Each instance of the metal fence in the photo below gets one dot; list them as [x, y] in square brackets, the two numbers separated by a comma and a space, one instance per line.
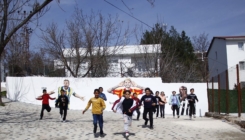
[226, 92]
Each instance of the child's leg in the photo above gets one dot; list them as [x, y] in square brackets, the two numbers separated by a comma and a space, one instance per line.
[138, 113]
[157, 110]
[177, 110]
[48, 108]
[194, 109]
[41, 115]
[61, 111]
[65, 113]
[126, 121]
[173, 110]
[190, 110]
[100, 119]
[187, 108]
[163, 111]
[151, 117]
[95, 122]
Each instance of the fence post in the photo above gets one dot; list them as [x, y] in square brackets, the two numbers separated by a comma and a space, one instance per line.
[212, 94]
[227, 93]
[219, 93]
[208, 97]
[238, 91]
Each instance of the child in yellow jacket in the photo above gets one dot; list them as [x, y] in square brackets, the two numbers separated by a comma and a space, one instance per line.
[98, 105]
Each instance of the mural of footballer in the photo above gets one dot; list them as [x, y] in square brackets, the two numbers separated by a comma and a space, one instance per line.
[127, 84]
[68, 91]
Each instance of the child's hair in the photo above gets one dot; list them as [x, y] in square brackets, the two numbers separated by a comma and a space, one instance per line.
[134, 93]
[100, 87]
[147, 89]
[192, 89]
[44, 90]
[157, 92]
[173, 91]
[96, 90]
[127, 91]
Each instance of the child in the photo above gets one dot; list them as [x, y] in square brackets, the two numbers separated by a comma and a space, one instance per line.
[162, 105]
[128, 106]
[98, 105]
[159, 100]
[45, 104]
[192, 98]
[149, 103]
[175, 102]
[63, 104]
[137, 102]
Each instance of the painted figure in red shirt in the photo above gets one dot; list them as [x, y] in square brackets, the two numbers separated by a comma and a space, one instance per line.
[45, 105]
[127, 84]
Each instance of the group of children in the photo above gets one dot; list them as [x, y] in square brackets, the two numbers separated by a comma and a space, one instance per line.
[175, 102]
[126, 105]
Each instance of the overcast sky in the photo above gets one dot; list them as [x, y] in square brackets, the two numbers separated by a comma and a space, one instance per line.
[214, 17]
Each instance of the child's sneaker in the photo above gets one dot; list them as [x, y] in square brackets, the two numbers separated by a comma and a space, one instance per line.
[64, 121]
[190, 118]
[194, 116]
[126, 134]
[61, 118]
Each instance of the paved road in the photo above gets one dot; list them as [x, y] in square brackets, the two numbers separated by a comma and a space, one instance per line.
[19, 121]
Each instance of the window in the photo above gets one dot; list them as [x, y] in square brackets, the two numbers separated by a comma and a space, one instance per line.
[240, 46]
[216, 55]
[242, 65]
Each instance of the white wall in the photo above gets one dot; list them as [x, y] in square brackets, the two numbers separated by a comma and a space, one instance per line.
[26, 89]
[234, 55]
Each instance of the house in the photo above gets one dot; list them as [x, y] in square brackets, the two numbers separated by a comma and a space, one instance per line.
[224, 53]
[124, 61]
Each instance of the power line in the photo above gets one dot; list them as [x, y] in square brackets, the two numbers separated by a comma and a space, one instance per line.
[128, 13]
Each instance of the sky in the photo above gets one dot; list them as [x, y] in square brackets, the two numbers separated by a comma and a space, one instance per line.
[213, 17]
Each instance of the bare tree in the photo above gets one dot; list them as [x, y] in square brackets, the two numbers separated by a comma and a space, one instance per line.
[201, 42]
[11, 22]
[84, 46]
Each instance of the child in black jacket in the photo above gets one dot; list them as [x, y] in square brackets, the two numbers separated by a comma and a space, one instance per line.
[63, 105]
[192, 98]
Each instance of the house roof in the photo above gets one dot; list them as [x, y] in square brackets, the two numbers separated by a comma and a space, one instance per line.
[224, 38]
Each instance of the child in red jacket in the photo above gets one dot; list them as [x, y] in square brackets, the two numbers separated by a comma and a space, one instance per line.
[45, 105]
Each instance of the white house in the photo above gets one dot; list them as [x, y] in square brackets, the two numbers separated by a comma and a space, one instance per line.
[134, 57]
[224, 53]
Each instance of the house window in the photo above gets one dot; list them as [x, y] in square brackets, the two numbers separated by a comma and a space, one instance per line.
[216, 55]
[242, 65]
[240, 46]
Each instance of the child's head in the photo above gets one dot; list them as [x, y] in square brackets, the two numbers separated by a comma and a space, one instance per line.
[162, 93]
[173, 92]
[96, 93]
[147, 91]
[127, 94]
[44, 91]
[157, 93]
[192, 90]
[135, 95]
[101, 89]
[62, 92]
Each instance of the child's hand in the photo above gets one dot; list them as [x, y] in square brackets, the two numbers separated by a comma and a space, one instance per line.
[82, 98]
[129, 111]
[153, 104]
[83, 111]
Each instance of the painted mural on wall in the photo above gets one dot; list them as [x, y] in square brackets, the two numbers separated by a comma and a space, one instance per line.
[126, 84]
